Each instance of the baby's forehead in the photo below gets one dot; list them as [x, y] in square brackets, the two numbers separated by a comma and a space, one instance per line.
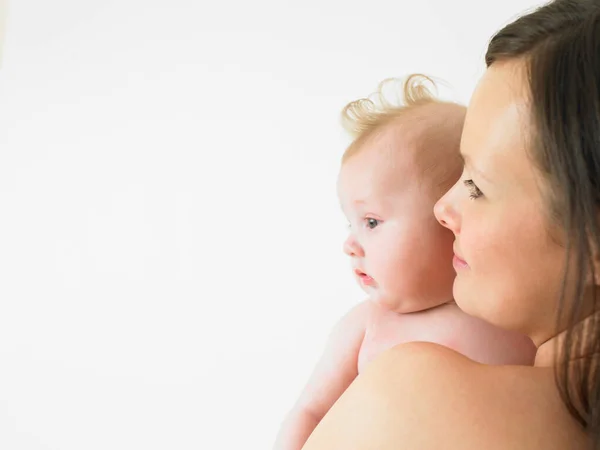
[415, 140]
[384, 163]
[415, 147]
[427, 120]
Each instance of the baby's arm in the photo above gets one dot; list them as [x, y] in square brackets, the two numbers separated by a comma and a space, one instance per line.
[335, 371]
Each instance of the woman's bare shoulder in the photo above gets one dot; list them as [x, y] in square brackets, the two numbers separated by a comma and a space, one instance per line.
[420, 395]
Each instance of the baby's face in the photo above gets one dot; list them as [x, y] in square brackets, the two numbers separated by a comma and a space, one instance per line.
[400, 255]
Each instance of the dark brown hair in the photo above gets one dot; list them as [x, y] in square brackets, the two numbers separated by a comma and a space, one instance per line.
[559, 43]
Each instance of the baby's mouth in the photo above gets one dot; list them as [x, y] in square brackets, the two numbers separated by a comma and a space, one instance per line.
[363, 277]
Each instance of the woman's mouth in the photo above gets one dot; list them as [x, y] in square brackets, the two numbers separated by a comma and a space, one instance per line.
[459, 263]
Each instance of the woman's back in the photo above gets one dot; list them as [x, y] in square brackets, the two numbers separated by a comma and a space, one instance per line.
[423, 396]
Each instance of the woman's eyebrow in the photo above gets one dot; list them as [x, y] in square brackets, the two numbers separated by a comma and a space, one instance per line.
[468, 163]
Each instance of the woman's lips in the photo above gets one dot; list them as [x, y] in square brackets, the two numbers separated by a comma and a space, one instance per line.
[459, 263]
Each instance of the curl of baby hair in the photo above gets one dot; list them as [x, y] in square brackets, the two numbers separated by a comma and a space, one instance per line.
[393, 98]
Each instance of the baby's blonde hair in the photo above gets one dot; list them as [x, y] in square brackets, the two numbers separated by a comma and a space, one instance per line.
[362, 117]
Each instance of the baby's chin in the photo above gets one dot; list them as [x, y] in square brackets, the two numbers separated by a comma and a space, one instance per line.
[402, 306]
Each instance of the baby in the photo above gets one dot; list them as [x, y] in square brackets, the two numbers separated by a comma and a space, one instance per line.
[402, 159]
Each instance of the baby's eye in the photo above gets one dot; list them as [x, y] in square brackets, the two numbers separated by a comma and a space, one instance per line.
[371, 223]
[474, 191]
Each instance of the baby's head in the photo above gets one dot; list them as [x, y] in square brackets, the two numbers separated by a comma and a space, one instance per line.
[403, 158]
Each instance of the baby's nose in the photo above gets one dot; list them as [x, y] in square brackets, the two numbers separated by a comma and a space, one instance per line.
[352, 247]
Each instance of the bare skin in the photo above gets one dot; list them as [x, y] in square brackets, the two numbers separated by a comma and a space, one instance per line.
[445, 400]
[402, 260]
[369, 330]
[509, 270]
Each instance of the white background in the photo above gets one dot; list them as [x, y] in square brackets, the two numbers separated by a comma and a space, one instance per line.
[170, 240]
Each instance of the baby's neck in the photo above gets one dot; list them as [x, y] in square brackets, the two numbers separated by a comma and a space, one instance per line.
[448, 304]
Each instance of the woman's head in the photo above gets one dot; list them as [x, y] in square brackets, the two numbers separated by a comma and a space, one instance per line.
[531, 234]
[505, 250]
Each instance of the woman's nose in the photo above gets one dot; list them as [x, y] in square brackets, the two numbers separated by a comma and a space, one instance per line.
[446, 212]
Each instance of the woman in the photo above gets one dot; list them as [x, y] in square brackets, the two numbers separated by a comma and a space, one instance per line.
[525, 215]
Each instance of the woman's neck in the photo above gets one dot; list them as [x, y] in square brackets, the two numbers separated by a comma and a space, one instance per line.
[583, 347]
[546, 352]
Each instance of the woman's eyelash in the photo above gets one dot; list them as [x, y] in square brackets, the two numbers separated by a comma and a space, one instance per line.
[474, 191]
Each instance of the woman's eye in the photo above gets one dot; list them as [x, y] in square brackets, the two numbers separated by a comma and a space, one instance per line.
[371, 223]
[474, 191]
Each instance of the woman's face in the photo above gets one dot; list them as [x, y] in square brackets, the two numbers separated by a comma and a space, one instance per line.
[508, 267]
